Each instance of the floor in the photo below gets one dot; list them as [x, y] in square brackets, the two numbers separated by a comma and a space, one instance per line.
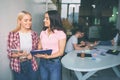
[106, 74]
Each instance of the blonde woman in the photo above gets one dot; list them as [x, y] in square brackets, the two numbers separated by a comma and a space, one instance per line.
[21, 41]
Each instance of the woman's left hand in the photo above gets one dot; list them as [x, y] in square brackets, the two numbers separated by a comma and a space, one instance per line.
[29, 56]
[42, 56]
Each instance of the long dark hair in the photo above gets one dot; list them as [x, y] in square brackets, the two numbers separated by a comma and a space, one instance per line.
[55, 20]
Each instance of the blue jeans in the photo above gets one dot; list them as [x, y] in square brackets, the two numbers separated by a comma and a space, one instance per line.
[50, 69]
[26, 72]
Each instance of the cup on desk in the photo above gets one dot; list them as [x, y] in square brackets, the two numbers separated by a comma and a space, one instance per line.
[94, 55]
[82, 54]
[91, 46]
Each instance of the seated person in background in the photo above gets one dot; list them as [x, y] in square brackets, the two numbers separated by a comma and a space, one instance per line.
[72, 43]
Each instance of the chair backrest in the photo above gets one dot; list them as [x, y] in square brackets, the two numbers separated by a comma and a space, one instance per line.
[106, 43]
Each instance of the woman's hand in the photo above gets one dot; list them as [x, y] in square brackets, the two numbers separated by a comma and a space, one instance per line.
[17, 54]
[86, 47]
[42, 56]
[82, 44]
[24, 53]
[29, 56]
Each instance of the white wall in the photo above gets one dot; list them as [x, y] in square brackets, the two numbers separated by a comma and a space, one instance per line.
[8, 15]
[118, 18]
[64, 9]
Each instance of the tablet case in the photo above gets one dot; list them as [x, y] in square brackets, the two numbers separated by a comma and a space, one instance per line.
[114, 52]
[49, 51]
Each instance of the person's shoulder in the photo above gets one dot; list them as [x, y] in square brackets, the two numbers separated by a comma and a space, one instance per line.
[13, 33]
[59, 31]
[73, 36]
[34, 32]
[10, 32]
[43, 32]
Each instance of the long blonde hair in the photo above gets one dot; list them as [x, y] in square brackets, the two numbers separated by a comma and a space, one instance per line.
[19, 18]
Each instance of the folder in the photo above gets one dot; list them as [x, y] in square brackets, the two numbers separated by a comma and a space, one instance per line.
[48, 51]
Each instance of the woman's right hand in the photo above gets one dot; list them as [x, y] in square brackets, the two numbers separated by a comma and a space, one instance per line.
[18, 54]
[15, 55]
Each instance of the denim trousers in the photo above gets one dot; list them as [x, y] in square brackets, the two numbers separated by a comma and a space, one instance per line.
[26, 72]
[50, 69]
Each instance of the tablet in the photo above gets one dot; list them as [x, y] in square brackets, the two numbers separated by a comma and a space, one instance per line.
[48, 51]
[16, 51]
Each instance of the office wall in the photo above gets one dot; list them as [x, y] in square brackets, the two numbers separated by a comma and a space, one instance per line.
[70, 11]
[118, 18]
[8, 15]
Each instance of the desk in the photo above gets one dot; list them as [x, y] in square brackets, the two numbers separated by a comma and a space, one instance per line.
[78, 65]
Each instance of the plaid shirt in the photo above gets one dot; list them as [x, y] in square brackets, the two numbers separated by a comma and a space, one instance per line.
[14, 43]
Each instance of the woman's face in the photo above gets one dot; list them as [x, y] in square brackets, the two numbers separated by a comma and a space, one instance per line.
[26, 22]
[46, 20]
